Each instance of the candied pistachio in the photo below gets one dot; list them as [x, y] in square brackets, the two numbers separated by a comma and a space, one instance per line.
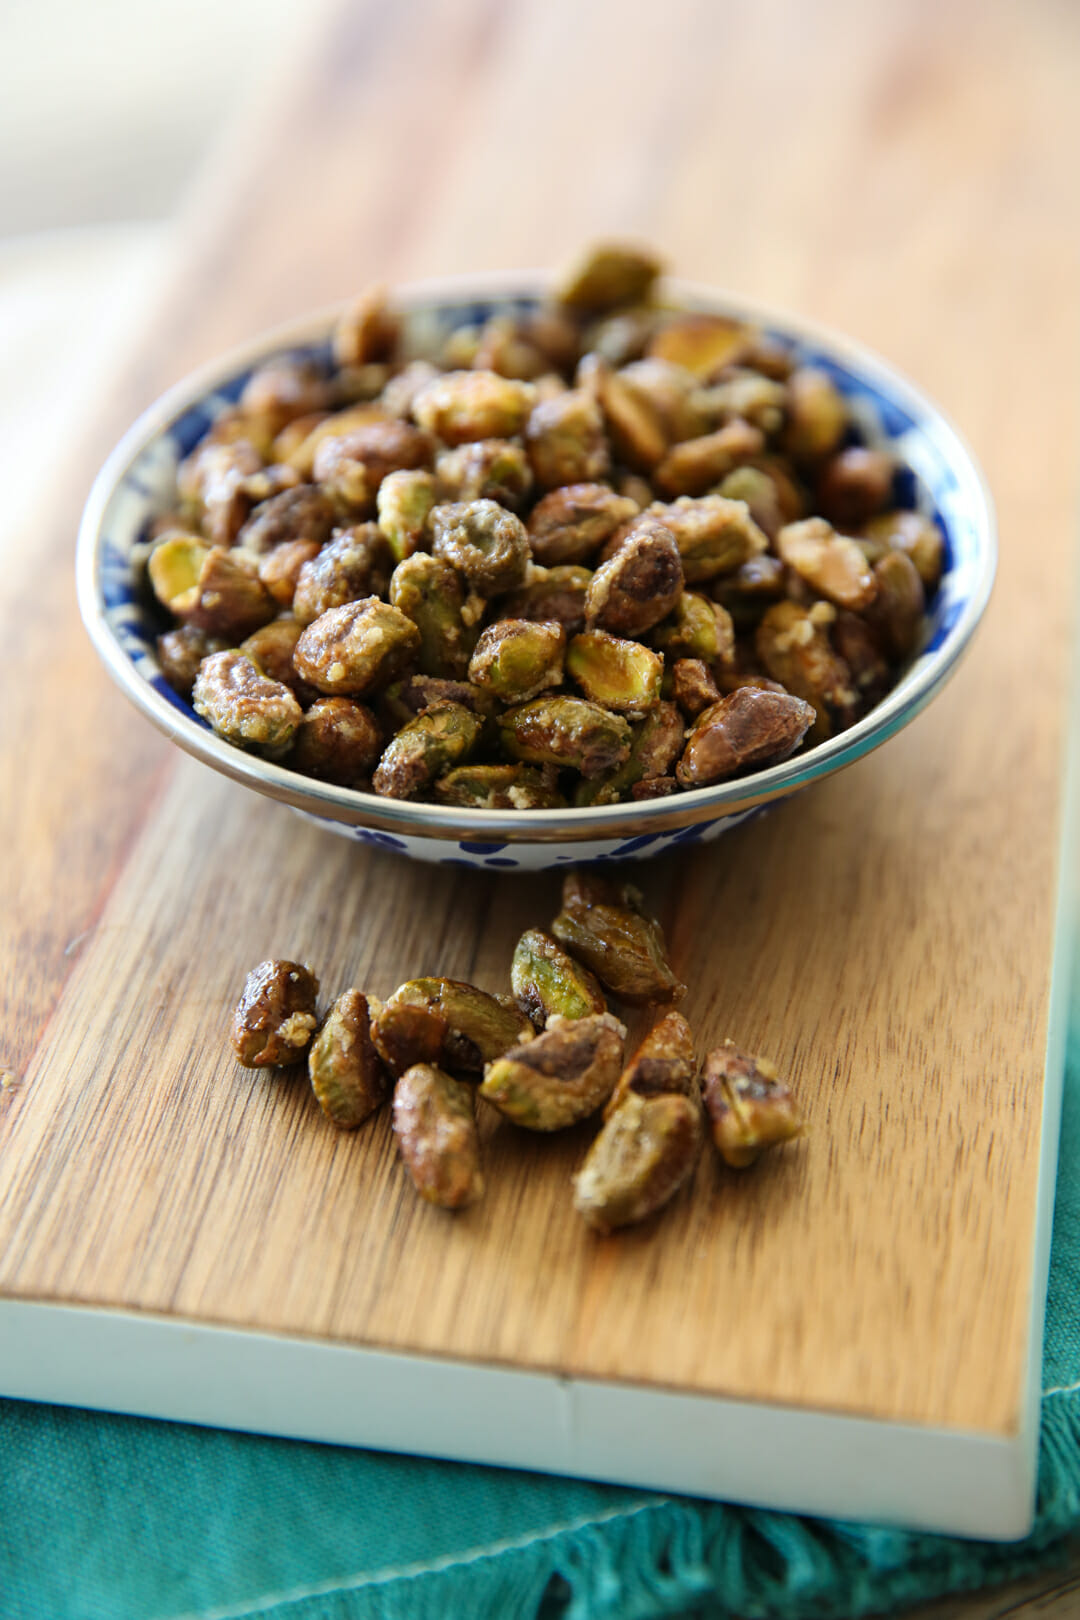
[748, 727]
[367, 330]
[714, 535]
[670, 392]
[271, 649]
[229, 599]
[566, 442]
[817, 414]
[557, 594]
[556, 335]
[606, 275]
[403, 504]
[458, 406]
[570, 524]
[637, 433]
[546, 980]
[275, 1017]
[655, 745]
[404, 1034]
[697, 628]
[566, 731]
[485, 470]
[479, 1027]
[399, 393]
[695, 465]
[211, 482]
[440, 737]
[914, 534]
[561, 1076]
[430, 593]
[854, 485]
[702, 343]
[400, 702]
[181, 651]
[354, 649]
[795, 649]
[860, 648]
[500, 787]
[357, 385]
[617, 674]
[759, 491]
[896, 613]
[337, 741]
[831, 564]
[282, 389]
[435, 1127]
[602, 924]
[293, 434]
[356, 562]
[662, 1062]
[280, 569]
[640, 584]
[503, 346]
[692, 686]
[300, 455]
[174, 567]
[347, 1075]
[621, 337]
[351, 467]
[750, 589]
[646, 1150]
[748, 395]
[749, 1107]
[244, 707]
[654, 787]
[517, 658]
[301, 513]
[487, 544]
[635, 488]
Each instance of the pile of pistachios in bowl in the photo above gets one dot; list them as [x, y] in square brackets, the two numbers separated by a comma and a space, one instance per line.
[545, 1057]
[603, 549]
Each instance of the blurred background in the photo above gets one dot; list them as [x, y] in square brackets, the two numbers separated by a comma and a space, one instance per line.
[107, 110]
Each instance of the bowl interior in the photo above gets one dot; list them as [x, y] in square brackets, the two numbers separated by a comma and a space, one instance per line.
[937, 476]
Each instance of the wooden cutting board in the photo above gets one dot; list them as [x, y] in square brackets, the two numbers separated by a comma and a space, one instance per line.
[854, 1325]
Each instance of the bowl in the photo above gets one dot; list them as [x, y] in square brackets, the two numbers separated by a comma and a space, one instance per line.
[136, 484]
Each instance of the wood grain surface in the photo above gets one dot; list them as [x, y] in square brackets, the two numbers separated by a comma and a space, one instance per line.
[901, 171]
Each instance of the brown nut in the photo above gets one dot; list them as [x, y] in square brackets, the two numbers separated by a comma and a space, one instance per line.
[351, 467]
[670, 392]
[606, 275]
[655, 745]
[436, 1135]
[280, 569]
[500, 787]
[914, 534]
[603, 925]
[367, 331]
[244, 707]
[696, 465]
[302, 513]
[561, 1076]
[637, 433]
[180, 652]
[282, 389]
[479, 1027]
[749, 1107]
[860, 648]
[517, 658]
[744, 395]
[854, 485]
[896, 614]
[215, 589]
[753, 587]
[402, 701]
[693, 687]
[271, 649]
[663, 1062]
[570, 524]
[618, 674]
[430, 593]
[440, 737]
[831, 565]
[404, 504]
[645, 1152]
[566, 732]
[546, 980]
[485, 470]
[793, 644]
[356, 562]
[337, 741]
[347, 1075]
[714, 535]
[404, 1034]
[557, 594]
[654, 787]
[484, 542]
[566, 442]
[697, 628]
[504, 346]
[759, 491]
[639, 585]
[355, 649]
[817, 414]
[749, 727]
[275, 1016]
[702, 344]
[459, 406]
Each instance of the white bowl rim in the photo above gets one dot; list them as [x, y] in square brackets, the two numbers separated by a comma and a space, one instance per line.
[630, 818]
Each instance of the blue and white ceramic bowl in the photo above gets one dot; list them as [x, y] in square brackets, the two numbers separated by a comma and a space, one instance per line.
[137, 483]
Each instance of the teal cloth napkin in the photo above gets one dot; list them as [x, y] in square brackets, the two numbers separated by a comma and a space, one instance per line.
[113, 1518]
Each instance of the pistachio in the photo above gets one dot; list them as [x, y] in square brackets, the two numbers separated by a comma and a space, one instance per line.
[693, 687]
[181, 651]
[404, 504]
[557, 594]
[670, 392]
[357, 562]
[546, 980]
[561, 1076]
[566, 442]
[460, 406]
[749, 1107]
[754, 486]
[500, 787]
[271, 649]
[244, 707]
[565, 731]
[745, 396]
[696, 465]
[429, 593]
[637, 433]
[854, 485]
[436, 1135]
[354, 649]
[299, 454]
[617, 674]
[655, 745]
[347, 1075]
[897, 611]
[795, 649]
[283, 389]
[517, 658]
[714, 535]
[603, 926]
[367, 330]
[654, 787]
[817, 415]
[570, 524]
[275, 1017]
[830, 564]
[702, 344]
[914, 534]
[504, 346]
[663, 1062]
[696, 628]
[479, 1028]
[280, 569]
[337, 741]
[639, 585]
[404, 1033]
[647, 1149]
[440, 737]
[747, 728]
[750, 589]
[860, 648]
[351, 467]
[301, 513]
[606, 275]
[620, 337]
[403, 700]
[485, 470]
[484, 542]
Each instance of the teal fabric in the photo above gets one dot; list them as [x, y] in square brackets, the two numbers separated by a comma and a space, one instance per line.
[112, 1518]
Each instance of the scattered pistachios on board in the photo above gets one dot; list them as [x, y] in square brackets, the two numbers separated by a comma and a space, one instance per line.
[605, 550]
[546, 1057]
